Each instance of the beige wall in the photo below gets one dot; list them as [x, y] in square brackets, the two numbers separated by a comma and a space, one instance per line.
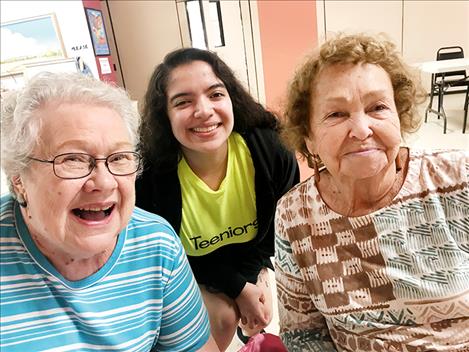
[429, 25]
[360, 16]
[144, 32]
[242, 50]
[418, 27]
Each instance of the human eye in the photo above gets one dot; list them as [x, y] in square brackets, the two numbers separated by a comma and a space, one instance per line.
[123, 163]
[121, 158]
[73, 160]
[179, 103]
[336, 114]
[217, 94]
[380, 107]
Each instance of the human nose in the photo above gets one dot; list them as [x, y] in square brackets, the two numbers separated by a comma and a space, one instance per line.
[203, 108]
[100, 177]
[360, 126]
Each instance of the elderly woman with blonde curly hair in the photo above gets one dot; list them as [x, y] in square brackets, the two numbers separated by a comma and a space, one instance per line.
[372, 252]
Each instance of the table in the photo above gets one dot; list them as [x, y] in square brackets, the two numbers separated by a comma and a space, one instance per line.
[441, 66]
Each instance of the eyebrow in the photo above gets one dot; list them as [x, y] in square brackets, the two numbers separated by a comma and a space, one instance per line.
[213, 86]
[341, 98]
[76, 143]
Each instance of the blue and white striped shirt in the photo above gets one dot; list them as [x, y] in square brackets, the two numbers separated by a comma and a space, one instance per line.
[144, 297]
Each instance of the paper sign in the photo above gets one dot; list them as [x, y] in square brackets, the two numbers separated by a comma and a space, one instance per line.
[105, 66]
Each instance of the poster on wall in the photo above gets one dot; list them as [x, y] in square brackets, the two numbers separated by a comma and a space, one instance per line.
[97, 31]
[30, 41]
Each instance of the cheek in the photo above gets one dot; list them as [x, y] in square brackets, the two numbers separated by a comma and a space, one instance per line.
[226, 111]
[329, 139]
[127, 190]
[179, 122]
[390, 132]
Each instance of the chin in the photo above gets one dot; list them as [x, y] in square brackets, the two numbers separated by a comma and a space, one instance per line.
[99, 243]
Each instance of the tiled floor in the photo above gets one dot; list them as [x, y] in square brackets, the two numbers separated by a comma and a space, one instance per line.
[430, 134]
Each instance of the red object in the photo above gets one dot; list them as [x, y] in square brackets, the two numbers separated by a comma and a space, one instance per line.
[107, 77]
[264, 343]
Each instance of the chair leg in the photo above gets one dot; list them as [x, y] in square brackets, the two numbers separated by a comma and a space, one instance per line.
[432, 92]
[466, 105]
[441, 110]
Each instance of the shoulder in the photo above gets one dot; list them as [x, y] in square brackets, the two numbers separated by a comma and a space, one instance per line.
[266, 142]
[454, 155]
[144, 224]
[300, 196]
[443, 168]
[262, 133]
[6, 209]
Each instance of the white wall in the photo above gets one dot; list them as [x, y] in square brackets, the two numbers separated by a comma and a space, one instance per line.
[71, 21]
[429, 25]
[417, 27]
[73, 28]
[361, 16]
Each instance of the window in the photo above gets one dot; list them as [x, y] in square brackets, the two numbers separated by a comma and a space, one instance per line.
[199, 23]
[195, 16]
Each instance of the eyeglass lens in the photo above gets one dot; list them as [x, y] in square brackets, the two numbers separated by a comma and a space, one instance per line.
[76, 165]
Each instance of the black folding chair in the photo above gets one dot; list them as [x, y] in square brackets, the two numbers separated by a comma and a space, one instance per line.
[442, 82]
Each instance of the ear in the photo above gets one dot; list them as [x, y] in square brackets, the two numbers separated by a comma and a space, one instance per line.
[20, 191]
[18, 184]
[310, 145]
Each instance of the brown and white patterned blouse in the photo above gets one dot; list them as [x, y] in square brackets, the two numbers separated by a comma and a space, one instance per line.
[393, 280]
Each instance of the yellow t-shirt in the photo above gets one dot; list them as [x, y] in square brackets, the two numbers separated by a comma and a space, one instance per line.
[212, 219]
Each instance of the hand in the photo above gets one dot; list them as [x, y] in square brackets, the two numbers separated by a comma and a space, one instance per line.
[251, 305]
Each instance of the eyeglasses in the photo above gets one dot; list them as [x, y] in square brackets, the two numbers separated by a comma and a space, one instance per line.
[78, 165]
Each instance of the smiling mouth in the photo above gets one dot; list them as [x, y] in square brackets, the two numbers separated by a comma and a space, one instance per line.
[206, 129]
[363, 151]
[93, 214]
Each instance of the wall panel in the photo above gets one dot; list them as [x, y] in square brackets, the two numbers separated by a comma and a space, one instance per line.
[364, 16]
[144, 32]
[429, 25]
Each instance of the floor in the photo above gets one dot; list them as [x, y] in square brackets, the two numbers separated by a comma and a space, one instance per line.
[430, 135]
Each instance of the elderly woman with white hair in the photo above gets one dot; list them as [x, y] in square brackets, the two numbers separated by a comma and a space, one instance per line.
[82, 268]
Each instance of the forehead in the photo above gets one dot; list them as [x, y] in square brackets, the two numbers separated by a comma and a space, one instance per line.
[72, 123]
[342, 78]
[191, 75]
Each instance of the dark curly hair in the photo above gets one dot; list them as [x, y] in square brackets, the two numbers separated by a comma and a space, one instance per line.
[158, 144]
[350, 49]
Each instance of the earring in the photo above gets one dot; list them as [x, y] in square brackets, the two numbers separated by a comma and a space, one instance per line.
[317, 177]
[310, 161]
[21, 201]
[398, 163]
[313, 161]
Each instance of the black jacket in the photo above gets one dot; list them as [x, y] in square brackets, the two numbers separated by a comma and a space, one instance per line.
[276, 171]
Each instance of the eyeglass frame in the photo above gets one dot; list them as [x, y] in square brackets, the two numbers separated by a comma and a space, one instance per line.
[92, 165]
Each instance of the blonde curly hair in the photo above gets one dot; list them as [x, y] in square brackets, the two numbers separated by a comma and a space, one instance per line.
[350, 49]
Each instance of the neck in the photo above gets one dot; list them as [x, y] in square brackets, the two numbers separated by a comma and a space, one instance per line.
[363, 196]
[209, 167]
[73, 267]
[77, 269]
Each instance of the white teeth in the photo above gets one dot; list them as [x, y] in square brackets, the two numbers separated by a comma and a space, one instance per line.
[205, 129]
[95, 209]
